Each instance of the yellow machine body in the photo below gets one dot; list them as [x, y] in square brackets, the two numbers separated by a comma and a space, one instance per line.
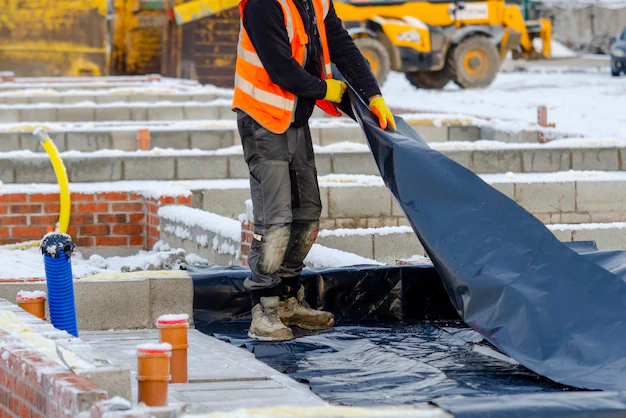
[419, 36]
[54, 37]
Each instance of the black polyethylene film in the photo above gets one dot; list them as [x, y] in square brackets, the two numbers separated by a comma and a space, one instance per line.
[557, 312]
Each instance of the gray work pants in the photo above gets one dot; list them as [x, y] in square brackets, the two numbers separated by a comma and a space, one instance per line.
[287, 205]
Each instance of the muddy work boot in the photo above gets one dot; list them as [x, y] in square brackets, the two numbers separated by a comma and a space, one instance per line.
[266, 324]
[297, 313]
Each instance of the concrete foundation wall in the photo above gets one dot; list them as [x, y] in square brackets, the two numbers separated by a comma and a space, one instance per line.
[133, 166]
[373, 206]
[388, 248]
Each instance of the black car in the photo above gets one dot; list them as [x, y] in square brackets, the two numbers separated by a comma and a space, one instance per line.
[618, 55]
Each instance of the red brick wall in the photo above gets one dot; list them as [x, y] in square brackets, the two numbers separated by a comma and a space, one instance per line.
[247, 233]
[33, 385]
[97, 219]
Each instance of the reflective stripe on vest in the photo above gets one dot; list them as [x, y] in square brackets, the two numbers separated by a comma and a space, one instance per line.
[288, 18]
[264, 96]
[249, 56]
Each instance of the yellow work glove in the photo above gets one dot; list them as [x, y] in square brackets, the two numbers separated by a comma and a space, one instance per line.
[335, 90]
[380, 109]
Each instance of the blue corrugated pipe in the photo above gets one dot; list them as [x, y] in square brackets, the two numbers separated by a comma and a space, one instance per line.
[57, 249]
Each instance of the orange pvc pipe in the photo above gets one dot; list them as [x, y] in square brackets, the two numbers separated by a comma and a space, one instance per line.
[33, 305]
[174, 332]
[153, 373]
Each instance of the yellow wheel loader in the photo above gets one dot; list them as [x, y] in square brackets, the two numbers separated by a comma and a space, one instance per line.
[436, 41]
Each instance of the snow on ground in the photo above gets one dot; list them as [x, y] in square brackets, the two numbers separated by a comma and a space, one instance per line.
[28, 263]
[590, 103]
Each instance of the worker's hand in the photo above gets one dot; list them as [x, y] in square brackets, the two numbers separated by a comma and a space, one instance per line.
[335, 90]
[380, 109]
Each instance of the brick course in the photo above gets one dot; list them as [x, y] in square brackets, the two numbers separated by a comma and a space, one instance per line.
[103, 219]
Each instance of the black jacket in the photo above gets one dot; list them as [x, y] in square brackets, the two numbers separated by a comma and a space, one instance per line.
[265, 23]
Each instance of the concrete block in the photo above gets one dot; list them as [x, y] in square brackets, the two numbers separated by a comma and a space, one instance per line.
[94, 169]
[203, 112]
[45, 99]
[316, 136]
[602, 159]
[174, 112]
[333, 135]
[362, 245]
[563, 235]
[9, 115]
[488, 133]
[170, 296]
[607, 217]
[178, 97]
[112, 113]
[229, 203]
[607, 239]
[600, 196]
[546, 160]
[125, 302]
[203, 97]
[169, 139]
[124, 140]
[362, 202]
[143, 98]
[150, 168]
[16, 100]
[389, 248]
[354, 163]
[529, 137]
[325, 202]
[326, 223]
[351, 223]
[622, 158]
[190, 168]
[237, 167]
[381, 222]
[29, 142]
[138, 113]
[225, 113]
[546, 197]
[460, 157]
[76, 114]
[9, 141]
[318, 113]
[575, 218]
[7, 172]
[38, 114]
[77, 99]
[396, 210]
[323, 163]
[496, 161]
[34, 170]
[463, 133]
[87, 141]
[211, 139]
[432, 133]
[507, 189]
[503, 136]
[111, 98]
[115, 380]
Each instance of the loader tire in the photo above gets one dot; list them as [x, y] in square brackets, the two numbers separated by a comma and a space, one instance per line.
[431, 80]
[377, 55]
[473, 63]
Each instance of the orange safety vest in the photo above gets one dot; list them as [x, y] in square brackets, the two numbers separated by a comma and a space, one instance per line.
[255, 93]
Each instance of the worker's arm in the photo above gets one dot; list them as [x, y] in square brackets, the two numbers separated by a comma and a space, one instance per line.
[265, 23]
[347, 57]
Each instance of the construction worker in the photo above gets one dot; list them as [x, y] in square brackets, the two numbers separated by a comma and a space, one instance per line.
[283, 70]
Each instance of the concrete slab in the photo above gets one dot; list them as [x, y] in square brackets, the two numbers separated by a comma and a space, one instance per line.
[153, 168]
[171, 296]
[222, 377]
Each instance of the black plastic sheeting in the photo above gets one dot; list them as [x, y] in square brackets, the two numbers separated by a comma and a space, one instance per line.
[561, 314]
[356, 293]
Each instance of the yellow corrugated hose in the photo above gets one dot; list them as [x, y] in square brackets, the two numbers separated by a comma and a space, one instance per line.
[59, 170]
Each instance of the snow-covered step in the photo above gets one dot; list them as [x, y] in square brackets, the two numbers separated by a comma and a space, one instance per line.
[96, 83]
[342, 158]
[118, 111]
[389, 244]
[363, 201]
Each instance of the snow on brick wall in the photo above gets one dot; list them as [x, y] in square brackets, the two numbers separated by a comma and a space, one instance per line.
[97, 219]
